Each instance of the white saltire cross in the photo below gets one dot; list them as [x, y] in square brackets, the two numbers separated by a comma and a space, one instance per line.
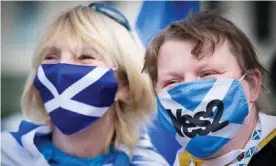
[64, 100]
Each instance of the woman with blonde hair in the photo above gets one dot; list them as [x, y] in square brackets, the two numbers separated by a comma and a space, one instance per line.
[85, 95]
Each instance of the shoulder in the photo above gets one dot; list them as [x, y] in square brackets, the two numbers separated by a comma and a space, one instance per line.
[268, 126]
[267, 153]
[270, 119]
[146, 154]
[266, 156]
[18, 147]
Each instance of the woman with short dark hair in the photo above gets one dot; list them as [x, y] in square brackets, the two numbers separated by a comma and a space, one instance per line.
[208, 81]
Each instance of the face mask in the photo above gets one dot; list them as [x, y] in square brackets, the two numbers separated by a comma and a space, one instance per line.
[203, 115]
[75, 96]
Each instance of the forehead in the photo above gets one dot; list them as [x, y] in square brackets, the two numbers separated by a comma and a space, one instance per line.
[63, 39]
[178, 53]
[71, 41]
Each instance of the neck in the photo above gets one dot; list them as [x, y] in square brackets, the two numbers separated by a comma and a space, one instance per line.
[88, 143]
[242, 137]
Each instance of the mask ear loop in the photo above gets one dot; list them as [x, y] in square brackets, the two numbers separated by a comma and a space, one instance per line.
[242, 77]
[250, 106]
[266, 90]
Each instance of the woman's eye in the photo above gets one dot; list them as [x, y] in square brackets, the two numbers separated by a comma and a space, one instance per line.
[170, 82]
[50, 57]
[84, 57]
[207, 73]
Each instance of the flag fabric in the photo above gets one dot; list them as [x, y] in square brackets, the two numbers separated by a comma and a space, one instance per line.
[77, 93]
[154, 16]
[25, 147]
[259, 144]
[203, 115]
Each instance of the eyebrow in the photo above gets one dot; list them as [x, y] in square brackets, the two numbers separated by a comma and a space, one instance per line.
[206, 64]
[168, 74]
[52, 49]
[90, 50]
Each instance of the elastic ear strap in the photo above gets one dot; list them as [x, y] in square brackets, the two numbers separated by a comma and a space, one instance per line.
[266, 90]
[250, 106]
[242, 77]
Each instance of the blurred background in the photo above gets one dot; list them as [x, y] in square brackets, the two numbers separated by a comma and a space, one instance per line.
[22, 23]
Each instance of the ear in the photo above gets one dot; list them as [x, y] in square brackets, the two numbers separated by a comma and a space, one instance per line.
[255, 84]
[123, 93]
[123, 85]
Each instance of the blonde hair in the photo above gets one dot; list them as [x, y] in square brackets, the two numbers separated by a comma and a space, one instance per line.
[120, 50]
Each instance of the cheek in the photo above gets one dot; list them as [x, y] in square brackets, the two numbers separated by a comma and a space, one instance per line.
[159, 89]
[101, 64]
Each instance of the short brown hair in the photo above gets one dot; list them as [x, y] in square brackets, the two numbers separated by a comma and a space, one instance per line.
[204, 27]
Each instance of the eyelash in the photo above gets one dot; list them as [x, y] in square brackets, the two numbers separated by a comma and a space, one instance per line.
[50, 57]
[83, 57]
[209, 73]
[170, 82]
[203, 74]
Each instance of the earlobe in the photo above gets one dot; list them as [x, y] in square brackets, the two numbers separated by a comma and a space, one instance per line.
[255, 83]
[122, 94]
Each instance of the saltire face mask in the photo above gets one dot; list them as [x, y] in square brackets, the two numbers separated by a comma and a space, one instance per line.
[203, 115]
[75, 96]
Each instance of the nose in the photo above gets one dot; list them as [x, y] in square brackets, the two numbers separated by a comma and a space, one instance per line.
[190, 77]
[67, 57]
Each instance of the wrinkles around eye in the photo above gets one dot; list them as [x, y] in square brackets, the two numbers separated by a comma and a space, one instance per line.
[50, 57]
[86, 57]
[170, 84]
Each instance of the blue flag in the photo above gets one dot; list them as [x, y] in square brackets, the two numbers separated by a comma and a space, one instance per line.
[156, 15]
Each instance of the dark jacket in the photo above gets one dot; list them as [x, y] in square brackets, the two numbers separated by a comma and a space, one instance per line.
[266, 156]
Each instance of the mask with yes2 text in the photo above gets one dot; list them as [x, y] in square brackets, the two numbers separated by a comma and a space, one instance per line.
[203, 115]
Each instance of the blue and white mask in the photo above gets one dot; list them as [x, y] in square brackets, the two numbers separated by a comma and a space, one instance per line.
[203, 115]
[75, 96]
